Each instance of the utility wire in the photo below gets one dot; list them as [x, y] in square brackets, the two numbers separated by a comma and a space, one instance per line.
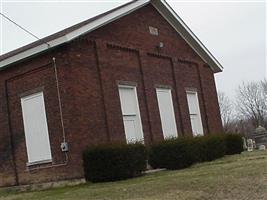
[23, 28]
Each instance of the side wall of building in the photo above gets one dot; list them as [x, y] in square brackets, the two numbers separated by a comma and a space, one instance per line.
[89, 71]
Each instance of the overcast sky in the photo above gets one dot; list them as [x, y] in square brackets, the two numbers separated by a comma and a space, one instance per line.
[234, 31]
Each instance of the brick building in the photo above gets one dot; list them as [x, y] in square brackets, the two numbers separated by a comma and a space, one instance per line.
[134, 73]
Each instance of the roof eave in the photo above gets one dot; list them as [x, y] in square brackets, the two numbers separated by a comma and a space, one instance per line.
[161, 5]
[76, 33]
[32, 51]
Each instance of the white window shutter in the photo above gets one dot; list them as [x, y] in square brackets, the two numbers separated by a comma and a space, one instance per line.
[131, 114]
[35, 128]
[166, 111]
[194, 111]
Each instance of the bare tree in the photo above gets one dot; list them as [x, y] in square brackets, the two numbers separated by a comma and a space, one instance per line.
[264, 87]
[226, 109]
[251, 102]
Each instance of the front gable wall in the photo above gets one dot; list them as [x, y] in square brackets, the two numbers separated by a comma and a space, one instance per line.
[190, 70]
[133, 30]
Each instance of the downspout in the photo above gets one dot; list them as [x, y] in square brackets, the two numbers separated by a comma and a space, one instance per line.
[60, 110]
[65, 162]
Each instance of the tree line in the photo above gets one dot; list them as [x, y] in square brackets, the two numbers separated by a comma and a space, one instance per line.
[249, 109]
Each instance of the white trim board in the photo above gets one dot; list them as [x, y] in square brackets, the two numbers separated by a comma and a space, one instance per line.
[161, 6]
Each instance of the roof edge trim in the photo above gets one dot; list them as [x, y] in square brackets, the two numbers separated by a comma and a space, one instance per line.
[76, 33]
[160, 5]
[179, 25]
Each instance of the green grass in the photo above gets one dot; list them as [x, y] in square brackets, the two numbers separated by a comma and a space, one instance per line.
[230, 178]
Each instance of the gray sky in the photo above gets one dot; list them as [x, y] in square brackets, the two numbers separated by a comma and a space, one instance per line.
[234, 31]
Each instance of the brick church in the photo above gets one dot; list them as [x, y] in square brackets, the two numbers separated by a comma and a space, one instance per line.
[135, 73]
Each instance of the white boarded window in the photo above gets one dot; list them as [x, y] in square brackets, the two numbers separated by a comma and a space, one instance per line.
[166, 111]
[194, 111]
[35, 128]
[130, 113]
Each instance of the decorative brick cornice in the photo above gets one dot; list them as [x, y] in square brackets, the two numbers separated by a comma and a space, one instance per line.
[158, 55]
[120, 47]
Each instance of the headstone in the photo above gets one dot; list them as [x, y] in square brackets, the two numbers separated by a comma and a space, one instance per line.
[260, 136]
[250, 144]
[262, 147]
[254, 144]
[244, 143]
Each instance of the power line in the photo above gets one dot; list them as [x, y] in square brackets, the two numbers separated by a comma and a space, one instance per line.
[23, 28]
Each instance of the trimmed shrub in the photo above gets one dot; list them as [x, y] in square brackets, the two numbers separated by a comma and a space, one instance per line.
[234, 144]
[112, 162]
[172, 154]
[208, 148]
[182, 152]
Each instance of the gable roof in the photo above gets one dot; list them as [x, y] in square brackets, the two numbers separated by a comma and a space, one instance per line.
[91, 24]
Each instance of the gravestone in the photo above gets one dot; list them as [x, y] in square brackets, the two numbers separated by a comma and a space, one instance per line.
[244, 143]
[262, 147]
[250, 144]
[260, 137]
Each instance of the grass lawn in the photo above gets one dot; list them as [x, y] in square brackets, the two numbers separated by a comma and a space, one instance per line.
[230, 178]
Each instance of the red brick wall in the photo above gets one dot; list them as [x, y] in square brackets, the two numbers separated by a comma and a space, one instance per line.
[90, 69]
[133, 31]
[15, 81]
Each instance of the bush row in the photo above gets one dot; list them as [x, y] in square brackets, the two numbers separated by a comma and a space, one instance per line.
[112, 162]
[234, 144]
[182, 152]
